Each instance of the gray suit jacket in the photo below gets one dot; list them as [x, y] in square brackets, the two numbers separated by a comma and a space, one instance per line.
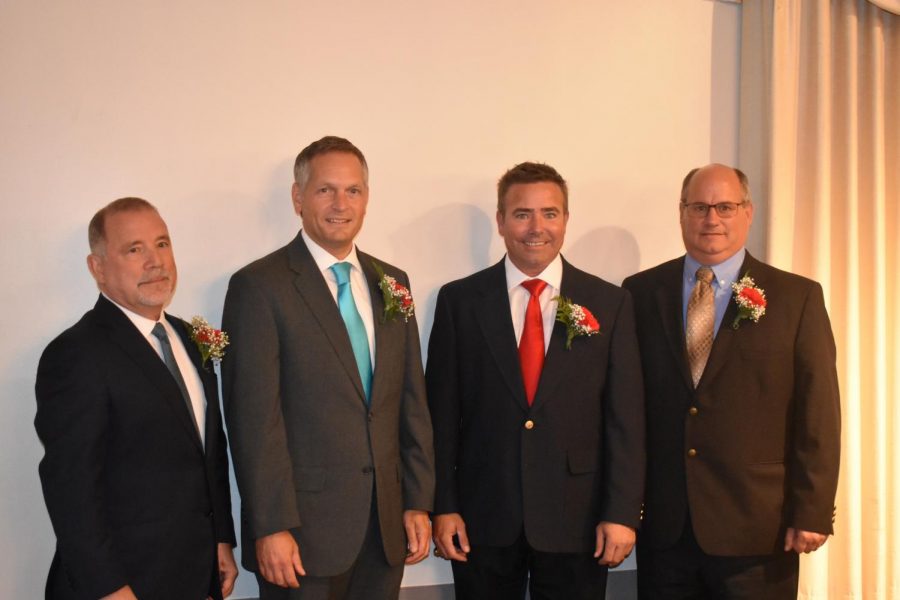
[307, 449]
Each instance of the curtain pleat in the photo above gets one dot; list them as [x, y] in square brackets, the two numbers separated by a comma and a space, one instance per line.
[820, 136]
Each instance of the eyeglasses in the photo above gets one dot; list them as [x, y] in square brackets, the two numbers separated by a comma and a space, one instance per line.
[699, 210]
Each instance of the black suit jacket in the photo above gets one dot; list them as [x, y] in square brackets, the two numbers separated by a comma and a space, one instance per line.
[572, 459]
[132, 495]
[764, 421]
[307, 448]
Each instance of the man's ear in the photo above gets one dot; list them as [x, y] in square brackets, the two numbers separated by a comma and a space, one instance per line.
[296, 199]
[95, 266]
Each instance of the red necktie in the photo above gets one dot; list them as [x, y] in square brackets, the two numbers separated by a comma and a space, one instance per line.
[531, 346]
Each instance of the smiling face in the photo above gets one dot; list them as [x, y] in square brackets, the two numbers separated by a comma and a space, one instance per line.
[711, 240]
[135, 265]
[332, 202]
[533, 225]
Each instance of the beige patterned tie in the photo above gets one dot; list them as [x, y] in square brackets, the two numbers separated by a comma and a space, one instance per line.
[701, 315]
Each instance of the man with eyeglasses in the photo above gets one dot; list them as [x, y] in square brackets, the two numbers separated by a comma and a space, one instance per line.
[743, 411]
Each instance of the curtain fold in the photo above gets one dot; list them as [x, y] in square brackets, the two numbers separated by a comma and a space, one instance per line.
[820, 139]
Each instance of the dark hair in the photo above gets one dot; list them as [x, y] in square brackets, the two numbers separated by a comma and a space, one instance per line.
[530, 172]
[97, 226]
[742, 179]
[329, 143]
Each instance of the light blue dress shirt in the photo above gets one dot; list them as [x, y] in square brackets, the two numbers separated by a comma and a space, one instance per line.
[724, 274]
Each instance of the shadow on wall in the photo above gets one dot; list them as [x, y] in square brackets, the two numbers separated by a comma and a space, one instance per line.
[608, 252]
[448, 242]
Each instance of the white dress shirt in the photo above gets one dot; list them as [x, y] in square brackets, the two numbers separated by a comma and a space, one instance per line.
[519, 296]
[358, 285]
[185, 365]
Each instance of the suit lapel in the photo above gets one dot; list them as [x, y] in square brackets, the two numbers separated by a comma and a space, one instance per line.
[721, 348]
[669, 303]
[311, 286]
[495, 320]
[383, 340]
[558, 364]
[124, 334]
[206, 373]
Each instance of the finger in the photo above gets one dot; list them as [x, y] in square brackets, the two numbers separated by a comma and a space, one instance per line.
[297, 564]
[412, 537]
[789, 536]
[448, 549]
[601, 542]
[463, 538]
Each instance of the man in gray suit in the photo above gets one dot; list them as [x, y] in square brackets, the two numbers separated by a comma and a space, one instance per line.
[325, 400]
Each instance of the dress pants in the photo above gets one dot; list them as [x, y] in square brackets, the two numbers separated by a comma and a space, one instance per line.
[369, 578]
[493, 573]
[685, 572]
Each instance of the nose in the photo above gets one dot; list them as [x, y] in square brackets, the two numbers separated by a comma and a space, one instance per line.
[152, 258]
[340, 201]
[712, 216]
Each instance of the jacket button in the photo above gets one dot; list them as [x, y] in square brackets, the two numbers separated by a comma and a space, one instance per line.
[529, 424]
[693, 411]
[692, 453]
[367, 470]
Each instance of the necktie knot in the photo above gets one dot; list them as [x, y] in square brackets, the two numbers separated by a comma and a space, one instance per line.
[704, 274]
[159, 332]
[341, 271]
[534, 286]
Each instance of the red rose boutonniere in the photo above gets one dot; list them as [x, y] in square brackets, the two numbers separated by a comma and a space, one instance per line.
[750, 300]
[211, 342]
[577, 319]
[398, 301]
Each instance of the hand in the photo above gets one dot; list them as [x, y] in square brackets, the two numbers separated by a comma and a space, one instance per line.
[418, 532]
[614, 543]
[445, 527]
[228, 570]
[123, 593]
[278, 556]
[799, 540]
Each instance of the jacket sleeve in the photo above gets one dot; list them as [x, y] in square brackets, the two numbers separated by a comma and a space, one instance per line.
[442, 380]
[624, 429]
[416, 444]
[72, 422]
[816, 428]
[253, 411]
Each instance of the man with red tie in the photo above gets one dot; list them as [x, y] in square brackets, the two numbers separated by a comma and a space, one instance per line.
[534, 385]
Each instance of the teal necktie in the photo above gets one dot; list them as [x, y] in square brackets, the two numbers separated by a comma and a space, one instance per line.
[359, 339]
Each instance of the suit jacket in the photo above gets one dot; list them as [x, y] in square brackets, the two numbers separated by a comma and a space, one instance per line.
[307, 449]
[764, 421]
[559, 467]
[133, 497]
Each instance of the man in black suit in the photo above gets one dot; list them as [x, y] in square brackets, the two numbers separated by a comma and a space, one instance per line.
[325, 400]
[135, 470]
[539, 424]
[743, 413]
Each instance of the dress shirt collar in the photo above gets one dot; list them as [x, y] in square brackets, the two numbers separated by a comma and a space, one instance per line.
[324, 259]
[552, 274]
[724, 274]
[143, 324]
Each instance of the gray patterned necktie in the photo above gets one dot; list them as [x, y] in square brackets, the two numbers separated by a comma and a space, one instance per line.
[701, 315]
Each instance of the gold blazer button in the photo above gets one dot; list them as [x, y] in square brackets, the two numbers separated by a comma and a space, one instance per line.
[529, 424]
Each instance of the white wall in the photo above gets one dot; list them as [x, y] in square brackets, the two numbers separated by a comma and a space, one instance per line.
[201, 106]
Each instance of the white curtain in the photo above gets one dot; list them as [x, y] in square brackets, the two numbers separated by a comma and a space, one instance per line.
[820, 138]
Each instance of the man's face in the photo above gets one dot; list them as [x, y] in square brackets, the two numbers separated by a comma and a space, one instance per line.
[712, 239]
[136, 268]
[533, 225]
[332, 204]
